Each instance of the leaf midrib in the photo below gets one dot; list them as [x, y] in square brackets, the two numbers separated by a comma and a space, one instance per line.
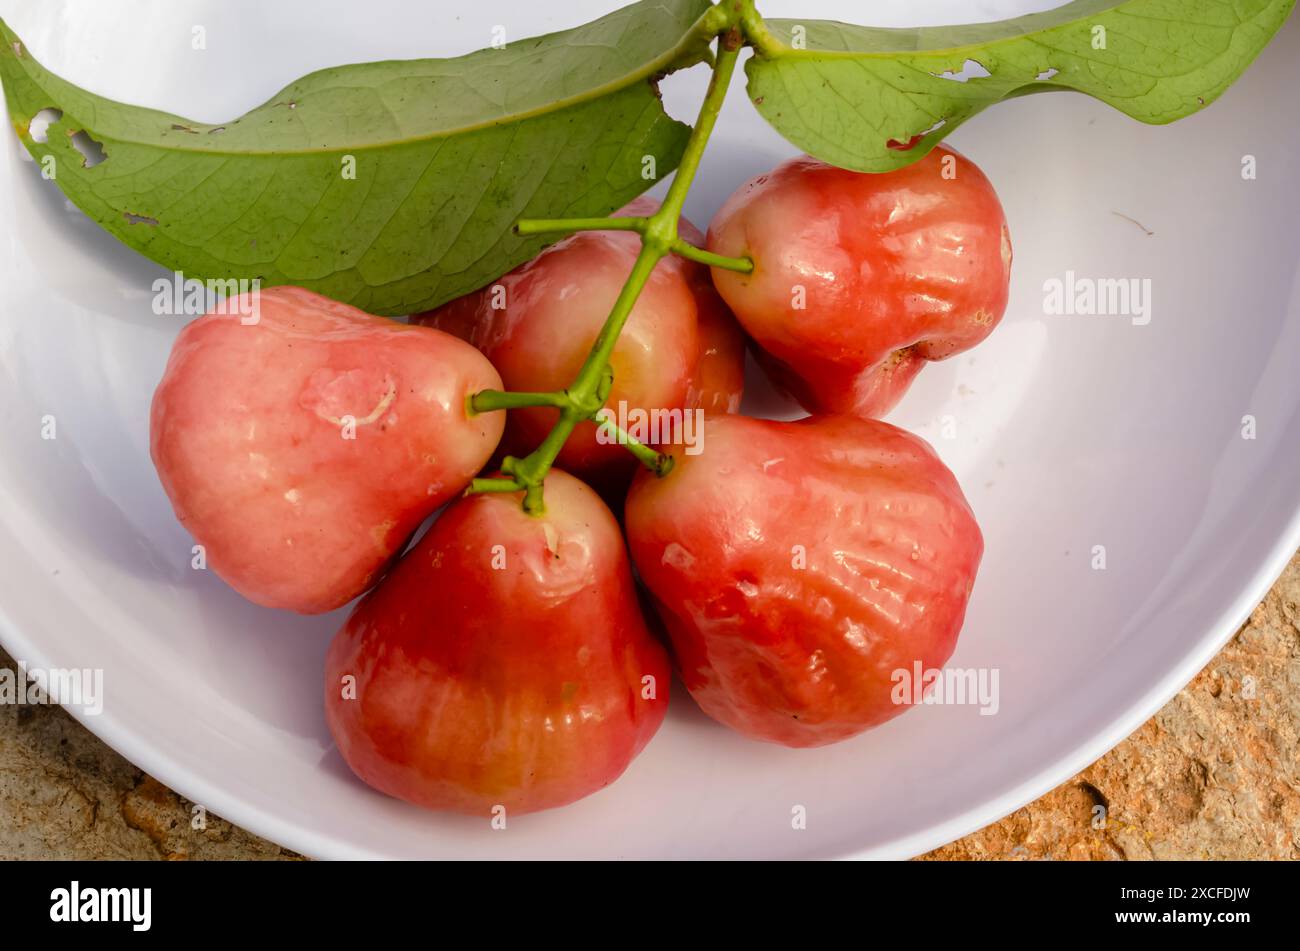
[696, 32]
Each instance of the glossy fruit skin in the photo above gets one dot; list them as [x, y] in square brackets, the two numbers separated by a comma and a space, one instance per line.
[804, 656]
[680, 347]
[520, 687]
[718, 383]
[896, 269]
[248, 435]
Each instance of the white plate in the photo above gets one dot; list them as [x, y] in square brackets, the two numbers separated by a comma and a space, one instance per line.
[1070, 432]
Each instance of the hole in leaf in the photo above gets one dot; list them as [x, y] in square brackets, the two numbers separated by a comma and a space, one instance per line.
[900, 146]
[969, 70]
[1047, 74]
[139, 219]
[18, 49]
[92, 152]
[219, 128]
[676, 94]
[39, 127]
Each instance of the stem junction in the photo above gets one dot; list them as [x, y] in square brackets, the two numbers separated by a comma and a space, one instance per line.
[586, 396]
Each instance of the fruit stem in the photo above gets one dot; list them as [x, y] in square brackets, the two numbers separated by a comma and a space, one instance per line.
[680, 247]
[488, 401]
[657, 462]
[532, 226]
[691, 253]
[756, 32]
[659, 238]
[484, 486]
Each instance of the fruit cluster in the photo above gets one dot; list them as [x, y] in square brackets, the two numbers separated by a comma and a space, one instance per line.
[511, 658]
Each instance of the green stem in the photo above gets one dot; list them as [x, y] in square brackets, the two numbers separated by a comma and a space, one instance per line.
[485, 486]
[689, 251]
[657, 462]
[603, 348]
[488, 401]
[532, 226]
[661, 228]
[756, 32]
[659, 238]
[723, 69]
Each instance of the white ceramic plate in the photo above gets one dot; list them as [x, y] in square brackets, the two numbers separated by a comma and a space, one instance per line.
[1067, 433]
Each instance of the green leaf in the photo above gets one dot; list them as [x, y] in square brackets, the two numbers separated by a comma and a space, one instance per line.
[448, 154]
[876, 99]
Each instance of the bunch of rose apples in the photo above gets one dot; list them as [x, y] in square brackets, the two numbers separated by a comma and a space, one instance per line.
[511, 659]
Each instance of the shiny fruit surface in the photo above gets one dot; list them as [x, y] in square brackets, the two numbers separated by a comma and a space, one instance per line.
[302, 450]
[860, 279]
[799, 566]
[503, 662]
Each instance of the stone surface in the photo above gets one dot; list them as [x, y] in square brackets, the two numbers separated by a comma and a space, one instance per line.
[65, 795]
[1213, 775]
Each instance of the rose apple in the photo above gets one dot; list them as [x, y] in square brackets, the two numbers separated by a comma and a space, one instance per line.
[797, 566]
[859, 279]
[302, 450]
[503, 662]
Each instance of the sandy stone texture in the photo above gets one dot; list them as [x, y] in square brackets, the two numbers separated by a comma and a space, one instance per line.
[65, 795]
[1213, 775]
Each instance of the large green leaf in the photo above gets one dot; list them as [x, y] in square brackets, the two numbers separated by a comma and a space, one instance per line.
[448, 153]
[876, 99]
